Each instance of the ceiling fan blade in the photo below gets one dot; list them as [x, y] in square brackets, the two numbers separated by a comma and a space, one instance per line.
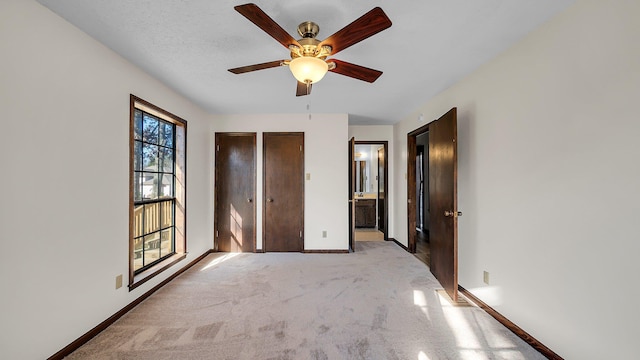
[365, 26]
[248, 68]
[264, 22]
[355, 71]
[303, 89]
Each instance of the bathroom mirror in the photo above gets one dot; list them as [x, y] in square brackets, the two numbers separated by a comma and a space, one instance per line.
[366, 164]
[362, 176]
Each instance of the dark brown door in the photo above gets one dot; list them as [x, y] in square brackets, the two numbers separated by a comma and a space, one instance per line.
[352, 186]
[442, 180]
[283, 191]
[235, 179]
[443, 199]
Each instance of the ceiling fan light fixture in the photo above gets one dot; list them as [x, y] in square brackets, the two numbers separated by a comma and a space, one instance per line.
[308, 69]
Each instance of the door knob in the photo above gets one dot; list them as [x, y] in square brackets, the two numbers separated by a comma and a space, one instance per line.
[269, 200]
[448, 213]
[249, 200]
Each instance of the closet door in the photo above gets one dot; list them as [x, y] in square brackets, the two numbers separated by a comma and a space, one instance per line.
[235, 189]
[283, 203]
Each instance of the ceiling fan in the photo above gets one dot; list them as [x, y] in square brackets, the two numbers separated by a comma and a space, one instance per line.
[309, 61]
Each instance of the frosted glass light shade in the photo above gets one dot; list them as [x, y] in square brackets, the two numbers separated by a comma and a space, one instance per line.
[308, 69]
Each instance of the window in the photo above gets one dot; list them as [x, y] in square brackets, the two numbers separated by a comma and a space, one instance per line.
[157, 196]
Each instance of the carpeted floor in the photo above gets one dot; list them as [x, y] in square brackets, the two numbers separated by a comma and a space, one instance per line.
[377, 303]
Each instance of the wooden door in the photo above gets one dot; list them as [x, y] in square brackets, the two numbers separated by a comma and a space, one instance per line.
[352, 186]
[283, 219]
[443, 199]
[235, 179]
[381, 193]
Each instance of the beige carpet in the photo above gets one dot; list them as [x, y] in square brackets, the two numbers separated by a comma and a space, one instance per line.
[377, 303]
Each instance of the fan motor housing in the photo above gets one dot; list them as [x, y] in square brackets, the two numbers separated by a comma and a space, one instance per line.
[309, 44]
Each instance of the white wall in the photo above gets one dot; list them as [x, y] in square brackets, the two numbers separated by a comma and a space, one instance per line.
[548, 178]
[64, 101]
[371, 133]
[381, 133]
[326, 194]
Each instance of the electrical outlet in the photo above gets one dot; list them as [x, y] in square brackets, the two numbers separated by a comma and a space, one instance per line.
[118, 281]
[308, 176]
[324, 233]
[486, 277]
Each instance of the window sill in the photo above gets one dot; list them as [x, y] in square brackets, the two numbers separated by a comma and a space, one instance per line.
[150, 273]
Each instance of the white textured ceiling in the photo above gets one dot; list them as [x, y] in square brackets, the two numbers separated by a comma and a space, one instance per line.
[190, 44]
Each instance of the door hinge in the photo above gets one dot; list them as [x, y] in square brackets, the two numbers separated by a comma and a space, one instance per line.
[300, 234]
[217, 235]
[217, 147]
[300, 148]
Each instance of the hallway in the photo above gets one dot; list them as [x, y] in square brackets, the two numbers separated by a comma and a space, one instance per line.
[369, 235]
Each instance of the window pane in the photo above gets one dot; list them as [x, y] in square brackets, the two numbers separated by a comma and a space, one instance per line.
[151, 217]
[158, 165]
[151, 248]
[167, 160]
[137, 253]
[150, 159]
[137, 155]
[166, 189]
[137, 125]
[166, 134]
[150, 129]
[166, 242]
[137, 186]
[138, 220]
[149, 186]
[167, 214]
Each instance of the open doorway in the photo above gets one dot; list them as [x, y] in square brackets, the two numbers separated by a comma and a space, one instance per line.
[370, 191]
[422, 248]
